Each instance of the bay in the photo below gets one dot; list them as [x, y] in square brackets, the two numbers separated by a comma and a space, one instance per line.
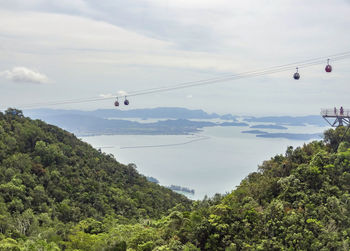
[212, 161]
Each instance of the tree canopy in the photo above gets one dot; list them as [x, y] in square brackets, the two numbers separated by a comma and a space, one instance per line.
[58, 193]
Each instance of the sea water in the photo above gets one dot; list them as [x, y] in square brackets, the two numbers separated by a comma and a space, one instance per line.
[212, 161]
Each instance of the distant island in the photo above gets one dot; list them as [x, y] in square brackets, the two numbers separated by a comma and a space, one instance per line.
[181, 189]
[152, 179]
[179, 121]
[89, 126]
[289, 120]
[254, 132]
[173, 187]
[292, 136]
[270, 126]
[169, 121]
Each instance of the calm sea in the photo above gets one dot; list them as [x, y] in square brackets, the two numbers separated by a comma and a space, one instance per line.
[212, 161]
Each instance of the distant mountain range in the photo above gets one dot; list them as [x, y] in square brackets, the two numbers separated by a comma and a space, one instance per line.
[174, 121]
[151, 113]
[98, 122]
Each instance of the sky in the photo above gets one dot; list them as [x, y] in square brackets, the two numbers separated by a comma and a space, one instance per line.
[59, 50]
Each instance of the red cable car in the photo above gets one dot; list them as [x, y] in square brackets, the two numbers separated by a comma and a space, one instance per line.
[116, 103]
[328, 67]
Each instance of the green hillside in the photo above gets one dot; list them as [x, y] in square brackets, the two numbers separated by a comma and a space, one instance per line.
[58, 193]
[296, 201]
[51, 180]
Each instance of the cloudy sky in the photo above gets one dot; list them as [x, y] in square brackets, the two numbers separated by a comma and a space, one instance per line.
[58, 50]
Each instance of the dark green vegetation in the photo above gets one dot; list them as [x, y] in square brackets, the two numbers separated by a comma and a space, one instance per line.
[58, 193]
[50, 181]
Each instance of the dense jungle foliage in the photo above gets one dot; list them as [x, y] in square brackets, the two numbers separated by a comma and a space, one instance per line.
[58, 193]
[50, 181]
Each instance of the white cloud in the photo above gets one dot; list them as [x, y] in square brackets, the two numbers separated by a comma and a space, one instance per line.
[122, 93]
[25, 75]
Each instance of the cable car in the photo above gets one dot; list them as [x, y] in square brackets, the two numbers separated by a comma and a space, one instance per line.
[126, 102]
[116, 103]
[328, 67]
[296, 75]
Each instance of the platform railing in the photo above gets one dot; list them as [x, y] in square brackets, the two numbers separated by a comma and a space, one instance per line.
[335, 113]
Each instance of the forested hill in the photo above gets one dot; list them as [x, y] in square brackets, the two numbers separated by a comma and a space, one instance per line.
[296, 201]
[48, 176]
[58, 193]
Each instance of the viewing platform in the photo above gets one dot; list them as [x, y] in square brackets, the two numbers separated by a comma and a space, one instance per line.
[336, 117]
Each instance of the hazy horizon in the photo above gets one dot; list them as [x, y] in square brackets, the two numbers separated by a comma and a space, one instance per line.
[209, 111]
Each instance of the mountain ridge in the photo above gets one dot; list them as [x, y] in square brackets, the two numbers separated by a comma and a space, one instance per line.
[70, 173]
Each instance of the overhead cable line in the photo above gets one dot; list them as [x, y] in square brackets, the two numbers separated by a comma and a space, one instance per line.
[223, 78]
